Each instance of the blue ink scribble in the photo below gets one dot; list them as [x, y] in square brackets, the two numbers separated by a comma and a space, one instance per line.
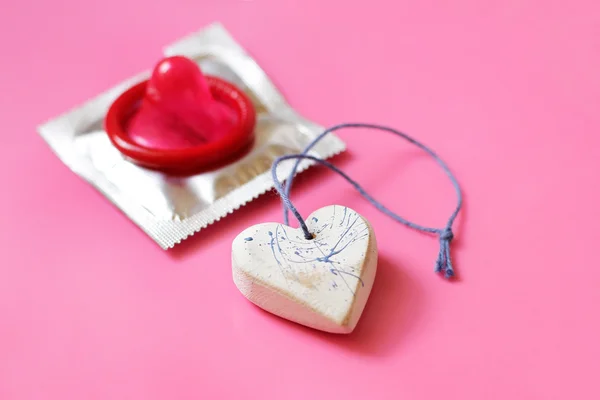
[272, 244]
[248, 239]
[344, 217]
[295, 252]
[337, 271]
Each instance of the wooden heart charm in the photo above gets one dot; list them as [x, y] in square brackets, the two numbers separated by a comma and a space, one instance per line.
[323, 283]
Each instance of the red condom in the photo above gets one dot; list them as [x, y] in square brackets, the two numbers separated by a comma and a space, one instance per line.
[181, 121]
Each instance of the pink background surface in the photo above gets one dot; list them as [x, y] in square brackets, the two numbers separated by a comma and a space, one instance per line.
[506, 91]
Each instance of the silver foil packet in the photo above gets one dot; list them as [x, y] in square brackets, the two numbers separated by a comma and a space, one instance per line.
[170, 208]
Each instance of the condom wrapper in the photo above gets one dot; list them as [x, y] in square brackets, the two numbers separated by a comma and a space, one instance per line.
[170, 208]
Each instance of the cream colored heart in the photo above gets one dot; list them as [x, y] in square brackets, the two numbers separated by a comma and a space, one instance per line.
[323, 283]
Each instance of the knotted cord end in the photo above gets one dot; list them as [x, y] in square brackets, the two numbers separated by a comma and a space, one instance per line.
[444, 262]
[447, 234]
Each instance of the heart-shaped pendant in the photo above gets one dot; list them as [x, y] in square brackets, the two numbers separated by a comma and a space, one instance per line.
[323, 283]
